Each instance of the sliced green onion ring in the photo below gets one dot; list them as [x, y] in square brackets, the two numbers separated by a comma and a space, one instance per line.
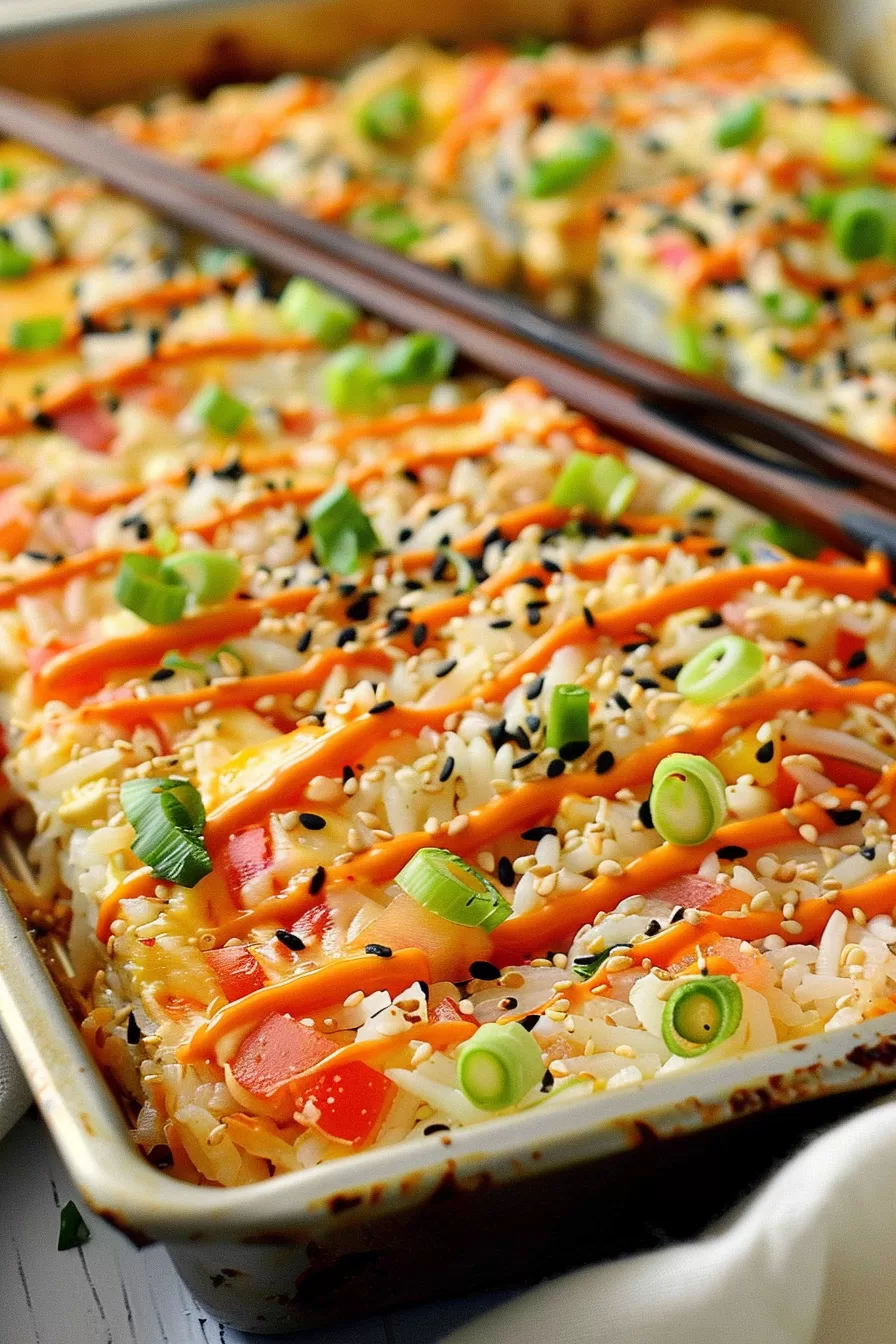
[863, 223]
[587, 148]
[701, 1013]
[316, 312]
[168, 817]
[390, 116]
[242, 175]
[352, 382]
[791, 306]
[9, 177]
[211, 576]
[567, 725]
[220, 411]
[848, 145]
[37, 333]
[464, 574]
[341, 532]
[687, 799]
[386, 223]
[787, 536]
[499, 1065]
[689, 351]
[14, 263]
[603, 485]
[740, 124]
[149, 591]
[725, 666]
[441, 882]
[420, 357]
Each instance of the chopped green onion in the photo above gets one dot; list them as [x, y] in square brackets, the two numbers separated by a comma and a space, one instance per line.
[586, 148]
[73, 1231]
[9, 177]
[37, 333]
[603, 485]
[687, 799]
[796, 540]
[499, 1065]
[223, 261]
[389, 116]
[464, 574]
[567, 726]
[179, 664]
[583, 968]
[13, 261]
[740, 124]
[325, 317]
[863, 223]
[820, 204]
[420, 357]
[341, 532]
[217, 409]
[151, 593]
[790, 306]
[689, 351]
[352, 381]
[725, 666]
[441, 882]
[165, 540]
[244, 176]
[386, 223]
[848, 146]
[211, 576]
[700, 1014]
[168, 817]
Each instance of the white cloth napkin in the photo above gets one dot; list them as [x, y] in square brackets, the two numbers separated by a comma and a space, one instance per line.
[809, 1260]
[14, 1095]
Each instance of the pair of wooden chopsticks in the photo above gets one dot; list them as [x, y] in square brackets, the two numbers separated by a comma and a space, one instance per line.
[504, 337]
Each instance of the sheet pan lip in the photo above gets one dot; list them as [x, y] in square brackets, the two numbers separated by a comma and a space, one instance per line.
[30, 22]
[120, 1184]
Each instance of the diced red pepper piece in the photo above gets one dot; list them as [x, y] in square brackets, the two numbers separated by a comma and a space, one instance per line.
[314, 922]
[846, 645]
[448, 1010]
[846, 773]
[688, 890]
[88, 422]
[351, 1098]
[276, 1052]
[247, 856]
[237, 971]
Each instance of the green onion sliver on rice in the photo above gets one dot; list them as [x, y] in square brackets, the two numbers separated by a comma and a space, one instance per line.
[700, 1014]
[687, 799]
[144, 586]
[724, 667]
[211, 576]
[863, 223]
[587, 148]
[390, 116]
[740, 123]
[567, 725]
[216, 408]
[322, 316]
[168, 817]
[498, 1066]
[442, 883]
[341, 532]
[848, 146]
[602, 485]
[420, 357]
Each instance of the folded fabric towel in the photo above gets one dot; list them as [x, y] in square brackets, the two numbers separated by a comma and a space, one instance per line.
[14, 1095]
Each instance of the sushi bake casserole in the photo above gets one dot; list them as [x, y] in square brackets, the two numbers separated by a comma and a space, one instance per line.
[393, 750]
[712, 192]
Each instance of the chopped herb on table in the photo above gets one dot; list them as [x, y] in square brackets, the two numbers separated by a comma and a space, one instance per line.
[73, 1231]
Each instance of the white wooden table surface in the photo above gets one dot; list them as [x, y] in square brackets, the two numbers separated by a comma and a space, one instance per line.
[106, 1292]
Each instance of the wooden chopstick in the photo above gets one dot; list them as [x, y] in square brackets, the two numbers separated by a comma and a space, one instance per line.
[839, 514]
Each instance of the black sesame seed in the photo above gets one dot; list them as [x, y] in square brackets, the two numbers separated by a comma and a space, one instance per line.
[671, 672]
[232, 472]
[547, 1081]
[522, 761]
[494, 535]
[311, 821]
[844, 816]
[133, 1031]
[447, 770]
[653, 928]
[521, 738]
[397, 623]
[537, 833]
[533, 613]
[534, 688]
[503, 624]
[290, 940]
[631, 648]
[318, 878]
[589, 619]
[346, 636]
[439, 568]
[645, 816]
[551, 566]
[508, 1004]
[857, 659]
[868, 851]
[378, 950]
[571, 751]
[505, 871]
[555, 768]
[712, 621]
[347, 589]
[303, 641]
[621, 701]
[442, 669]
[647, 683]
[359, 610]
[605, 761]
[765, 753]
[732, 852]
[405, 533]
[418, 634]
[435, 1129]
[484, 970]
[382, 706]
[528, 1022]
[677, 914]
[162, 674]
[795, 641]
